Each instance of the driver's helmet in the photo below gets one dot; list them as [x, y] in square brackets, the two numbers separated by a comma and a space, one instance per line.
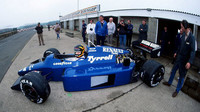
[79, 51]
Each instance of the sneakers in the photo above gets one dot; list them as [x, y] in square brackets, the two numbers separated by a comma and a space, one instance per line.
[166, 84]
[174, 94]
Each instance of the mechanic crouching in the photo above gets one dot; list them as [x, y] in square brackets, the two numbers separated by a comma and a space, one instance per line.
[184, 57]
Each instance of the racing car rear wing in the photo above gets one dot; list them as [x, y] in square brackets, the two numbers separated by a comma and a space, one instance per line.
[152, 48]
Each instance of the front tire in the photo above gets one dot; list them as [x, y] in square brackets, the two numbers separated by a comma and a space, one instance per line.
[35, 87]
[152, 73]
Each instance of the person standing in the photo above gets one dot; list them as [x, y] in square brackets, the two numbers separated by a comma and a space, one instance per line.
[177, 42]
[165, 41]
[48, 27]
[57, 30]
[101, 30]
[111, 30]
[143, 29]
[90, 31]
[129, 33]
[122, 28]
[84, 26]
[185, 56]
[39, 29]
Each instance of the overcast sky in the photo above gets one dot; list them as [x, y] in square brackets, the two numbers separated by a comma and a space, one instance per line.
[20, 12]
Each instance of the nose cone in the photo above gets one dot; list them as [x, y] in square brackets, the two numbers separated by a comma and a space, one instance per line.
[22, 71]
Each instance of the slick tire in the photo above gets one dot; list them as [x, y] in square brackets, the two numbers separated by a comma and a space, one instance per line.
[152, 73]
[50, 51]
[35, 87]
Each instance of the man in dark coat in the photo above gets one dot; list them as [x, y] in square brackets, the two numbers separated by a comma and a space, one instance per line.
[177, 43]
[185, 55]
[39, 30]
[165, 40]
[143, 29]
[129, 33]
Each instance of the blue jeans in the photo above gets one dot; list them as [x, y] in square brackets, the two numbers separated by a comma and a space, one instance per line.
[122, 40]
[83, 35]
[58, 36]
[182, 73]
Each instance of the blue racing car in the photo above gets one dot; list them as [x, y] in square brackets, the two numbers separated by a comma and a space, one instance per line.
[87, 69]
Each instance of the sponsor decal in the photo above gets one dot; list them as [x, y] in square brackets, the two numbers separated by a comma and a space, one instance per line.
[24, 69]
[92, 50]
[91, 59]
[99, 68]
[89, 10]
[113, 50]
[62, 63]
[39, 100]
[30, 67]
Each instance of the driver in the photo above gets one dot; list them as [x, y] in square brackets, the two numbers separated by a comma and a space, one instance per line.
[79, 51]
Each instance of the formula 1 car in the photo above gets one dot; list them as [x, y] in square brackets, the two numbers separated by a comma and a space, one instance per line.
[87, 69]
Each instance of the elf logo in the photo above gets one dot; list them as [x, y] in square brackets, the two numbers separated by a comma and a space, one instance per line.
[91, 59]
[112, 50]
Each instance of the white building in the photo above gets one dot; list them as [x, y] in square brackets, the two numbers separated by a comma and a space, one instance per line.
[158, 13]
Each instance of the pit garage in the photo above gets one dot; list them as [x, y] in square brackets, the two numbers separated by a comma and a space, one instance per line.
[172, 27]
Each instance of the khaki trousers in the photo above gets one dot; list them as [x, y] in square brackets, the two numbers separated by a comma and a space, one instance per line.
[40, 38]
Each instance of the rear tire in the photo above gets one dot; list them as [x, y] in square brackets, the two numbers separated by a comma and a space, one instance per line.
[152, 73]
[50, 51]
[35, 87]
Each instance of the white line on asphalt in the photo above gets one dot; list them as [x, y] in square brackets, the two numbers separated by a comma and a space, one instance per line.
[16, 55]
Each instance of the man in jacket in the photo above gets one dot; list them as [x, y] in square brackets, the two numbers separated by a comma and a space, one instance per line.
[111, 30]
[143, 29]
[185, 55]
[101, 30]
[177, 43]
[122, 29]
[165, 40]
[39, 30]
[57, 30]
[129, 33]
[90, 31]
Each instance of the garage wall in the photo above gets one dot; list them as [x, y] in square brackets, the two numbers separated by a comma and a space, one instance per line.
[152, 29]
[71, 24]
[65, 24]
